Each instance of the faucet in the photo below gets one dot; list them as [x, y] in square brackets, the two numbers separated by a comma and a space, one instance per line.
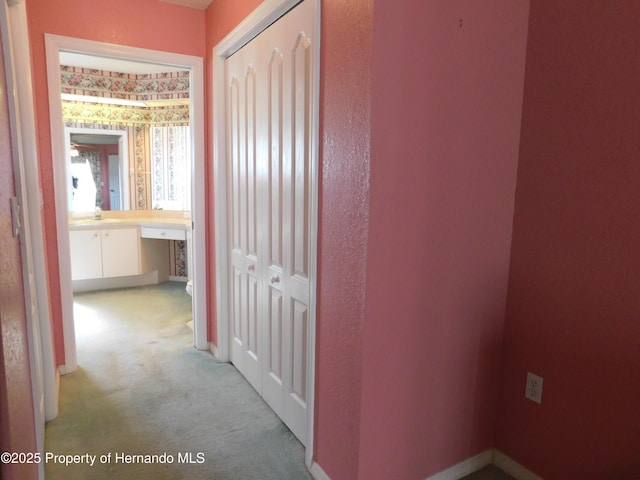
[98, 213]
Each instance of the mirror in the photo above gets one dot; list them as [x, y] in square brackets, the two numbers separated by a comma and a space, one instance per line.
[105, 170]
[98, 169]
[142, 107]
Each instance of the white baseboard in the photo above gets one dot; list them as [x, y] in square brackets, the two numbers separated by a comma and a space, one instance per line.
[150, 278]
[213, 349]
[64, 370]
[512, 467]
[466, 467]
[52, 405]
[317, 473]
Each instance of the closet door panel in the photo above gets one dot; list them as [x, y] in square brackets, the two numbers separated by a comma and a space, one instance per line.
[269, 103]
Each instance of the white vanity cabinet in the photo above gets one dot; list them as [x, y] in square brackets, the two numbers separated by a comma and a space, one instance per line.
[86, 254]
[104, 253]
[120, 252]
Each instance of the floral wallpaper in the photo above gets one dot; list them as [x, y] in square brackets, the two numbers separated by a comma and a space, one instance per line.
[141, 168]
[95, 113]
[178, 254]
[99, 83]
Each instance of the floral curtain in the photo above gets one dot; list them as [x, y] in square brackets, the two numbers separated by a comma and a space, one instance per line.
[93, 159]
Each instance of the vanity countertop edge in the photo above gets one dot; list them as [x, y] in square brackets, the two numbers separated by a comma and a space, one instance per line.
[105, 223]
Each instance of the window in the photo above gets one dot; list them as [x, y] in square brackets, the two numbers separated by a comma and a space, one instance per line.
[171, 168]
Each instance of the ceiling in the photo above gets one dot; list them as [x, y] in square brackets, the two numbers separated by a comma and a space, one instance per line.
[199, 4]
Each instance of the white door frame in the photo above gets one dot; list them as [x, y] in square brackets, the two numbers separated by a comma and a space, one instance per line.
[263, 16]
[17, 58]
[54, 45]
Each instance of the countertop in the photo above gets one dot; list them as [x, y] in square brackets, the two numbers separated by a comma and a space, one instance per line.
[158, 222]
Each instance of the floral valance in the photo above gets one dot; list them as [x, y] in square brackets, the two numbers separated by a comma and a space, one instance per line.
[147, 87]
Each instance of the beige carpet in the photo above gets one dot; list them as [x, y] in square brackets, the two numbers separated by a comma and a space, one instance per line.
[141, 389]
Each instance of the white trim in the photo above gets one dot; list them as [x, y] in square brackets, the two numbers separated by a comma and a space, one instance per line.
[220, 203]
[198, 206]
[92, 284]
[316, 472]
[62, 370]
[263, 16]
[175, 278]
[465, 467]
[314, 172]
[513, 468]
[60, 196]
[17, 70]
[56, 43]
[213, 349]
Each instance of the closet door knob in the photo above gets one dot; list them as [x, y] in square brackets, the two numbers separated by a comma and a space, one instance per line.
[275, 279]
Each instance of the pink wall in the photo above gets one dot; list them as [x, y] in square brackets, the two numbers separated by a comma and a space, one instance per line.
[144, 23]
[573, 303]
[345, 109]
[17, 427]
[408, 361]
[372, 421]
[446, 106]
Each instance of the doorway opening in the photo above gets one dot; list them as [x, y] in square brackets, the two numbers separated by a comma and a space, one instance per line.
[121, 58]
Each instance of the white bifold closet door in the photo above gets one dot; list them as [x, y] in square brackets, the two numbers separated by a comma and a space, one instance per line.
[268, 95]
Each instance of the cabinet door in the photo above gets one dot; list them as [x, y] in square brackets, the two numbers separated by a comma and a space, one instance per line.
[120, 252]
[86, 254]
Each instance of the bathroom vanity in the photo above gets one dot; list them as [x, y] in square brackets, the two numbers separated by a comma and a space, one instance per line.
[123, 252]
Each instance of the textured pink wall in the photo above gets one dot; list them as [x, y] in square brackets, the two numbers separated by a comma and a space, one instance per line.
[573, 304]
[222, 16]
[144, 23]
[17, 428]
[345, 103]
[446, 106]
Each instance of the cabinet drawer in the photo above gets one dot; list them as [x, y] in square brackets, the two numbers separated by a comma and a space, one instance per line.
[163, 233]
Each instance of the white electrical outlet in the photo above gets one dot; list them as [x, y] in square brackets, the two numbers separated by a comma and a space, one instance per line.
[533, 390]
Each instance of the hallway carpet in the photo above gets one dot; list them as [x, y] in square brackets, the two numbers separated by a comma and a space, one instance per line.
[142, 389]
